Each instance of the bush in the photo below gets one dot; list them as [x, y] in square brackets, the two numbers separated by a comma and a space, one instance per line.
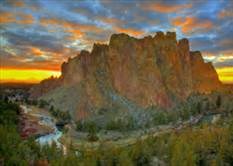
[160, 118]
[92, 130]
[116, 124]
[43, 103]
[80, 126]
[60, 115]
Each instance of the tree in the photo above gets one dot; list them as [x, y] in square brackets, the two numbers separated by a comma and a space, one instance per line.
[92, 130]
[182, 154]
[218, 101]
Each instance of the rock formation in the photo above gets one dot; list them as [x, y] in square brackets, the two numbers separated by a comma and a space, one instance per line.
[44, 87]
[129, 74]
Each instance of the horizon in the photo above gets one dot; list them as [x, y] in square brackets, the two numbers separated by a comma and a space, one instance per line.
[37, 36]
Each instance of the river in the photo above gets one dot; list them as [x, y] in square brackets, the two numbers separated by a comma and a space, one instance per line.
[47, 120]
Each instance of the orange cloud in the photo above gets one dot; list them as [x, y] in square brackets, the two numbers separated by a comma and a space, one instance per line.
[117, 26]
[74, 28]
[111, 21]
[24, 18]
[225, 13]
[6, 17]
[36, 51]
[37, 58]
[130, 31]
[18, 18]
[190, 24]
[16, 3]
[164, 8]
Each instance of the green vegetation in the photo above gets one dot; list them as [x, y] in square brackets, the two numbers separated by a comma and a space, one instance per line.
[121, 124]
[203, 144]
[62, 116]
[152, 116]
[14, 150]
[89, 127]
[8, 113]
[43, 104]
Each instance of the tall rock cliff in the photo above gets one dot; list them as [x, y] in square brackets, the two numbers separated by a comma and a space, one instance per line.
[129, 74]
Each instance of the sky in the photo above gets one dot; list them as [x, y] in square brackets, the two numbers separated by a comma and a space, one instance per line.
[36, 36]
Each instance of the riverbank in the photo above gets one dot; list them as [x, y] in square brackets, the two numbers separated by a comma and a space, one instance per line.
[43, 127]
[29, 123]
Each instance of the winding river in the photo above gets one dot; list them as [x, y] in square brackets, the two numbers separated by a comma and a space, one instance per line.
[52, 137]
[47, 120]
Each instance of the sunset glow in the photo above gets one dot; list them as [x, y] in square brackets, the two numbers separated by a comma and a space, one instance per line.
[225, 74]
[26, 76]
[37, 36]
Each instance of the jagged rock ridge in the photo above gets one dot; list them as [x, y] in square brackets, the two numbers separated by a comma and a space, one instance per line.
[129, 74]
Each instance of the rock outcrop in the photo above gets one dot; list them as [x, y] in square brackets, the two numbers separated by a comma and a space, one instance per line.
[44, 87]
[129, 74]
[204, 75]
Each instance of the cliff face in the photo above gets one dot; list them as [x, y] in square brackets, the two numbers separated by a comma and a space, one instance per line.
[130, 74]
[204, 75]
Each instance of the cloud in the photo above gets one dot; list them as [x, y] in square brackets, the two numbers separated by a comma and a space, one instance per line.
[36, 51]
[38, 34]
[111, 20]
[201, 43]
[226, 42]
[165, 8]
[33, 50]
[24, 18]
[224, 59]
[130, 31]
[89, 32]
[24, 39]
[68, 24]
[20, 62]
[190, 25]
[75, 29]
[16, 3]
[209, 57]
[18, 18]
[225, 13]
[7, 17]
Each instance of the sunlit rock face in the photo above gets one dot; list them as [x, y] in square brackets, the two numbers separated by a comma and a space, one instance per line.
[129, 74]
[205, 78]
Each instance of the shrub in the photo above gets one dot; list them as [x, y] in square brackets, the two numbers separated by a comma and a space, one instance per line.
[43, 103]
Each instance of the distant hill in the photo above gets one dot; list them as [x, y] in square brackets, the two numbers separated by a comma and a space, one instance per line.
[11, 85]
[129, 74]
